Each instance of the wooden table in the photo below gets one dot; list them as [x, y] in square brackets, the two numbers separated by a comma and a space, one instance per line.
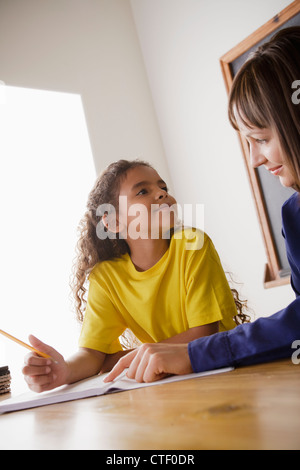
[255, 407]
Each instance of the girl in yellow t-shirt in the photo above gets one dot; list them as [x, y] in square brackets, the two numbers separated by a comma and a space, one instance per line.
[163, 284]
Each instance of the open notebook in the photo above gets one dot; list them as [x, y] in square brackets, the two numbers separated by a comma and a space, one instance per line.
[91, 387]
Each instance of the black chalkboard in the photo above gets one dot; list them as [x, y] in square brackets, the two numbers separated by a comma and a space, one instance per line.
[269, 194]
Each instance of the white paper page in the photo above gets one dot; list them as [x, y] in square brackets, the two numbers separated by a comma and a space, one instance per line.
[89, 387]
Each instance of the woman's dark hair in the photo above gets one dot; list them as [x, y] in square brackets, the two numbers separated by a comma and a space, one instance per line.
[262, 93]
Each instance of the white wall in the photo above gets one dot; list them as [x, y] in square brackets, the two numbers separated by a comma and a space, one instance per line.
[88, 47]
[182, 41]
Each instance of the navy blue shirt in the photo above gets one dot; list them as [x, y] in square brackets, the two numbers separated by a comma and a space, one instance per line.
[266, 339]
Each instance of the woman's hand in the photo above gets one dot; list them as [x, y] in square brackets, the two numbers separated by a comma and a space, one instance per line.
[151, 362]
[44, 374]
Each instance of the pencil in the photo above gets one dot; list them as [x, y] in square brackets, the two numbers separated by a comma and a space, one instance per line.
[25, 345]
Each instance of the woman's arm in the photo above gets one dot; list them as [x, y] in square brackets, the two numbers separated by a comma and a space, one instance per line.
[265, 339]
[182, 338]
[153, 361]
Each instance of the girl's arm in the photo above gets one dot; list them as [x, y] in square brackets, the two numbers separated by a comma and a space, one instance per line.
[193, 333]
[85, 363]
[112, 359]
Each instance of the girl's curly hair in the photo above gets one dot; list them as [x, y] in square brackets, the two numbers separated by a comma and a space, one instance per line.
[90, 248]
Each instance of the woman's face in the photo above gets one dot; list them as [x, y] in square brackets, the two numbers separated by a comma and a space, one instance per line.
[265, 150]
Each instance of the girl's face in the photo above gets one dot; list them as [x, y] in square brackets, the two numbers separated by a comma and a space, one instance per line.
[265, 150]
[145, 204]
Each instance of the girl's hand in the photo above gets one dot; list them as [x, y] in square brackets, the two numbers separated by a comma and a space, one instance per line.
[44, 374]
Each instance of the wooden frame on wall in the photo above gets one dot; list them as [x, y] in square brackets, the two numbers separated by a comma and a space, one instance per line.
[267, 191]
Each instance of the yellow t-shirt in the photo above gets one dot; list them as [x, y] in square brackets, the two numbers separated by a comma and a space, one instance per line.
[186, 288]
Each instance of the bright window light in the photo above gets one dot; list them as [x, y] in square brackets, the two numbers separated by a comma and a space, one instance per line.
[46, 173]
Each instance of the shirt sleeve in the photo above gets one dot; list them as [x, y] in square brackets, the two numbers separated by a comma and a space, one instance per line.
[102, 324]
[264, 340]
[208, 295]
